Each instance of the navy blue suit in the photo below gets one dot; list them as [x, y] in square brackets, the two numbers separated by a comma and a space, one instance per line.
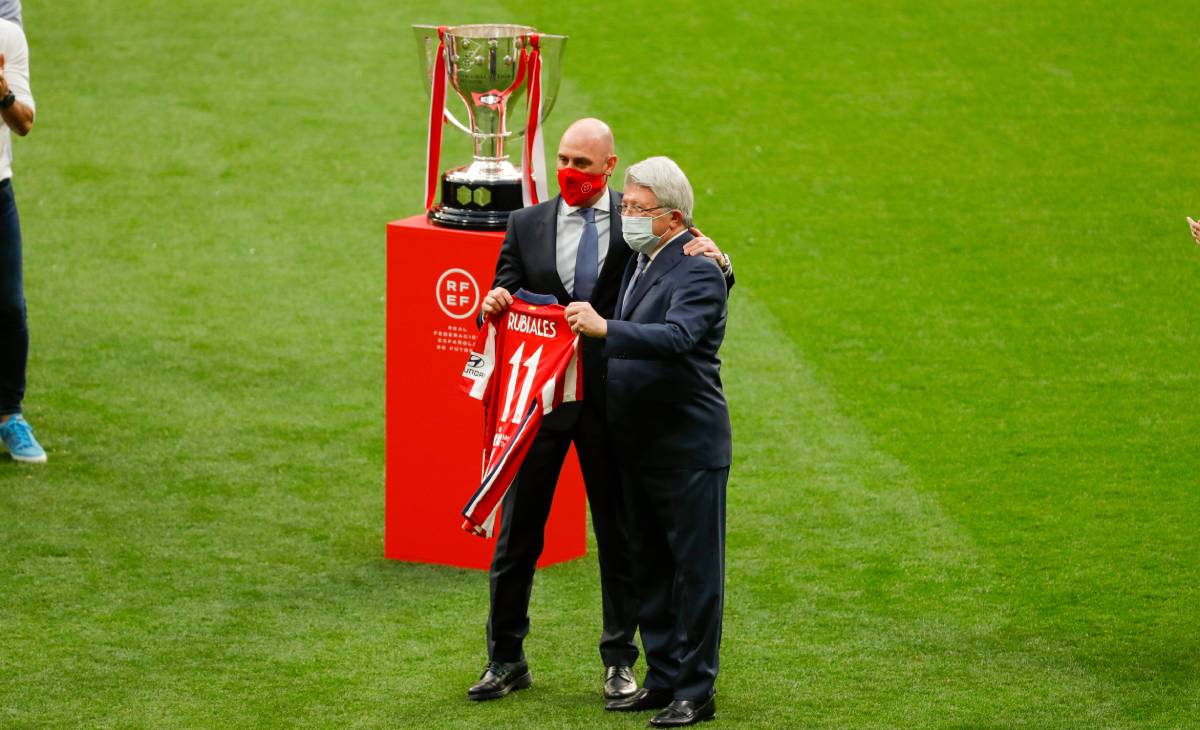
[669, 424]
[528, 261]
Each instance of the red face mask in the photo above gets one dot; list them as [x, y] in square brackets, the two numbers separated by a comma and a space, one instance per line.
[577, 186]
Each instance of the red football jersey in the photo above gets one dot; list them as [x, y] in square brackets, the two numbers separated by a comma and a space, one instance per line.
[525, 363]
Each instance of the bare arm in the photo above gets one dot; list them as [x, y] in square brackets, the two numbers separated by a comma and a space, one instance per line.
[18, 116]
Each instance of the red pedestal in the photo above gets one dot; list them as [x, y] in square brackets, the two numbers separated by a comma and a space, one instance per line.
[436, 279]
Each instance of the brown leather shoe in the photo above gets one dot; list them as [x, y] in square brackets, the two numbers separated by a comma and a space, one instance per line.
[641, 700]
[619, 683]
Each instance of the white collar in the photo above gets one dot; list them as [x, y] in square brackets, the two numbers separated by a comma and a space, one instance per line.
[663, 245]
[602, 204]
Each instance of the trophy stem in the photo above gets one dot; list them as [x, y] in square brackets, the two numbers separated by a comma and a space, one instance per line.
[488, 147]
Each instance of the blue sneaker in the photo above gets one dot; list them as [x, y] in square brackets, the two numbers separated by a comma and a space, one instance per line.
[17, 435]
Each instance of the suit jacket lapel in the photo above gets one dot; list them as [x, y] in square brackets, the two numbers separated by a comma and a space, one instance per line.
[667, 259]
[612, 268]
[546, 229]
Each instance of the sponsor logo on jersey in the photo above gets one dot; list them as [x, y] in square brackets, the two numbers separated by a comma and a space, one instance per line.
[479, 366]
[518, 322]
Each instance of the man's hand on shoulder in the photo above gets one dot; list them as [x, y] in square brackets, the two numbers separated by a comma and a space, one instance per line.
[496, 301]
[585, 320]
[702, 245]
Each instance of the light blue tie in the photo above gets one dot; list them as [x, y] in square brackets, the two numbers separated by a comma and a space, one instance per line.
[643, 260]
[587, 260]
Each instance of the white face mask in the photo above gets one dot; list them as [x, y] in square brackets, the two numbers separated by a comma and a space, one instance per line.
[638, 232]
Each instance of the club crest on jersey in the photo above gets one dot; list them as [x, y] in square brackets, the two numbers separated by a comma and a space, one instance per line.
[518, 322]
[479, 366]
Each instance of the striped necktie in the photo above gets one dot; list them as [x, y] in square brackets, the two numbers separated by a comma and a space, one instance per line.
[643, 261]
[587, 260]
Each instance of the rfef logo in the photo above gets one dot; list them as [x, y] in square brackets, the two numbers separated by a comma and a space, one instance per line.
[585, 188]
[457, 293]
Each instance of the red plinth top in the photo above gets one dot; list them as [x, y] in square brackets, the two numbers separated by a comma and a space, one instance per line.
[418, 230]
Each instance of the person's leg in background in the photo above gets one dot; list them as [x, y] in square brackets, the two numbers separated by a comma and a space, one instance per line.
[15, 431]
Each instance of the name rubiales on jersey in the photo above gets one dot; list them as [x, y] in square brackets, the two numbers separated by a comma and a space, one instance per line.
[518, 322]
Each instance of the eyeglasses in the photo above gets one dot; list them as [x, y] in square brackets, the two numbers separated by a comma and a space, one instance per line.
[627, 209]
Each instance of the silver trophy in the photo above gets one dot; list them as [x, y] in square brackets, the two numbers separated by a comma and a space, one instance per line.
[489, 69]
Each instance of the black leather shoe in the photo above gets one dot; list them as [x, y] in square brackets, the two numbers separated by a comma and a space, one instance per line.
[500, 678]
[619, 683]
[685, 712]
[641, 700]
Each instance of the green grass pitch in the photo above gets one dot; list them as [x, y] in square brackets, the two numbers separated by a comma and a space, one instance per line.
[962, 363]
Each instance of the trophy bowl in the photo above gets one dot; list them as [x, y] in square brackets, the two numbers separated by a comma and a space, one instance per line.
[489, 68]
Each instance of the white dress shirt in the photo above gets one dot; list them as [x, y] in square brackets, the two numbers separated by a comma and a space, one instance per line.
[16, 73]
[570, 230]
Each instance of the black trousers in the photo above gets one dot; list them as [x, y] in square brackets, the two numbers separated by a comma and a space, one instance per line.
[677, 525]
[526, 508]
[14, 332]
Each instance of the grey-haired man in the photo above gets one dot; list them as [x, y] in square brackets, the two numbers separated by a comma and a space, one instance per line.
[669, 425]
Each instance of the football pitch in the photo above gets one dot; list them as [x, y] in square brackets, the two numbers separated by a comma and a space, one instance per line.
[961, 363]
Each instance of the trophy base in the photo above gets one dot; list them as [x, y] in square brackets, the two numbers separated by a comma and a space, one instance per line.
[470, 219]
[477, 205]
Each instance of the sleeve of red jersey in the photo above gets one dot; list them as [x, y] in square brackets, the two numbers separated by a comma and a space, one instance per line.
[477, 373]
[569, 387]
[480, 512]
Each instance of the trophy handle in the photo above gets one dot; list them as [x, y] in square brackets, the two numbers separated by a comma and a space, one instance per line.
[427, 43]
[552, 47]
[454, 120]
